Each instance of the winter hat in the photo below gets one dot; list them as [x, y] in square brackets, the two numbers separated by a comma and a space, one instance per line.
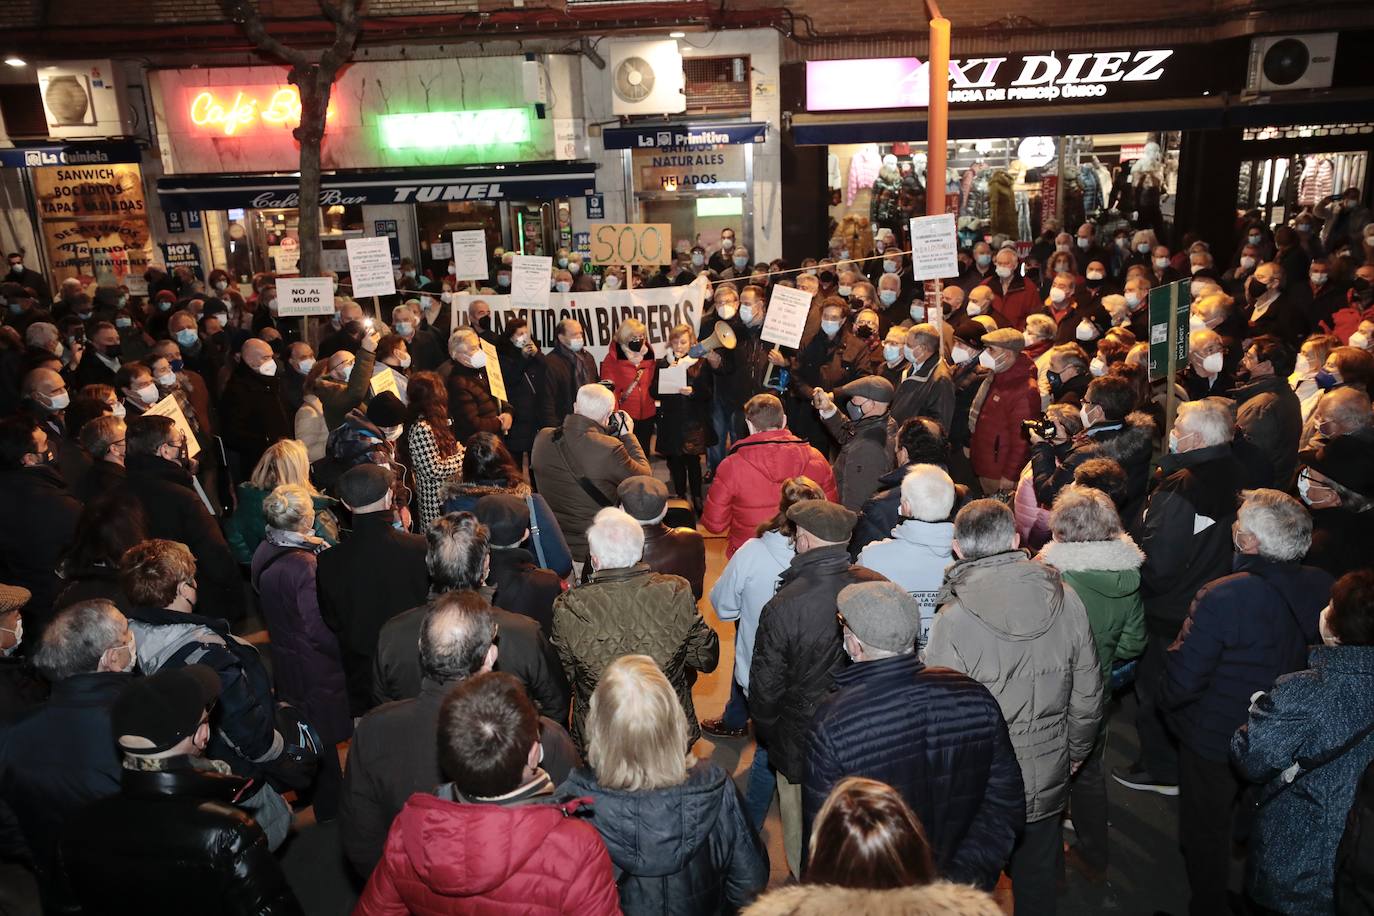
[882, 614]
[385, 410]
[826, 520]
[363, 484]
[644, 498]
[1006, 338]
[873, 387]
[163, 710]
[506, 516]
[970, 332]
[13, 597]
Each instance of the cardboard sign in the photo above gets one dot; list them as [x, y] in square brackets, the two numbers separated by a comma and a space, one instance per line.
[369, 266]
[168, 407]
[641, 244]
[529, 281]
[470, 254]
[934, 247]
[384, 380]
[785, 321]
[496, 382]
[305, 296]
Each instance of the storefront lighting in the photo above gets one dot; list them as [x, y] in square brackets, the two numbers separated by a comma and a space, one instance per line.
[237, 110]
[432, 130]
[720, 206]
[677, 34]
[16, 62]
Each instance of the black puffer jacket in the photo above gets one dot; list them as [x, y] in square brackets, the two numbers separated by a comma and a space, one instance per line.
[526, 387]
[684, 850]
[797, 651]
[169, 838]
[1128, 443]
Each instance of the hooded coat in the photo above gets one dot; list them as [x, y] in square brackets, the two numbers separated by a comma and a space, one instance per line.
[462, 496]
[680, 851]
[1128, 442]
[915, 557]
[749, 482]
[446, 857]
[1010, 623]
[1106, 577]
[939, 899]
[1269, 421]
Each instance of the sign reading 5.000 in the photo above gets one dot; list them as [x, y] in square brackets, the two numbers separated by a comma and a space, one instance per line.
[643, 244]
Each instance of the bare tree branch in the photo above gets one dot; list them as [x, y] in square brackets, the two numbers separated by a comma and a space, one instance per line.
[243, 14]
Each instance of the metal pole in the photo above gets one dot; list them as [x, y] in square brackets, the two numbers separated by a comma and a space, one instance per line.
[1171, 392]
[937, 123]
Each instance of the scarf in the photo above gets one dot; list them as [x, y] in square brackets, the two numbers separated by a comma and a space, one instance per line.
[295, 539]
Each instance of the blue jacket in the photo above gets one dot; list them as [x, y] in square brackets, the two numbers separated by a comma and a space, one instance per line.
[1242, 632]
[938, 738]
[1308, 713]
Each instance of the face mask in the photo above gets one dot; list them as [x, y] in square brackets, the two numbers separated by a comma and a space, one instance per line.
[845, 291]
[1326, 380]
[1097, 367]
[987, 360]
[1303, 486]
[612, 282]
[477, 360]
[147, 394]
[982, 260]
[17, 267]
[890, 267]
[392, 433]
[503, 280]
[1084, 243]
[844, 253]
[1132, 299]
[1253, 239]
[1083, 416]
[1095, 275]
[268, 368]
[1004, 272]
[887, 296]
[164, 306]
[115, 351]
[1086, 330]
[305, 365]
[1247, 263]
[1360, 340]
[864, 331]
[880, 246]
[60, 401]
[1173, 443]
[746, 313]
[446, 296]
[1256, 289]
[891, 352]
[1318, 279]
[960, 355]
[1303, 227]
[918, 312]
[975, 309]
[1161, 263]
[574, 266]
[187, 337]
[1143, 248]
[562, 286]
[856, 413]
[272, 306]
[118, 411]
[1302, 365]
[1057, 295]
[408, 274]
[831, 328]
[698, 259]
[1196, 289]
[521, 342]
[123, 322]
[1195, 268]
[404, 328]
[727, 243]
[1195, 323]
[1212, 364]
[1063, 248]
[726, 311]
[576, 344]
[166, 381]
[740, 263]
[1123, 243]
[1055, 379]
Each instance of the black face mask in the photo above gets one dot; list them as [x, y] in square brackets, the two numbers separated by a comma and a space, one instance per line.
[114, 352]
[1055, 381]
[484, 322]
[635, 346]
[1256, 289]
[863, 331]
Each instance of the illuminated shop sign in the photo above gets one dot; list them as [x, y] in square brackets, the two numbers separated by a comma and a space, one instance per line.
[1015, 79]
[234, 110]
[444, 129]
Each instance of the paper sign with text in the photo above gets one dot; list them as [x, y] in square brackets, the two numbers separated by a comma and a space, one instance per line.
[369, 267]
[168, 407]
[529, 281]
[305, 296]
[470, 254]
[496, 382]
[934, 247]
[384, 380]
[441, 251]
[785, 321]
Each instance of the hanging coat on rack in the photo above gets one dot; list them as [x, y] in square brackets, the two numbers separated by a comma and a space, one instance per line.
[1002, 204]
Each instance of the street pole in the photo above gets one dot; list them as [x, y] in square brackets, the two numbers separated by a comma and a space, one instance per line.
[937, 123]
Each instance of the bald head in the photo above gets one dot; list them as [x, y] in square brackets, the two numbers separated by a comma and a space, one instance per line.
[1343, 411]
[44, 382]
[255, 352]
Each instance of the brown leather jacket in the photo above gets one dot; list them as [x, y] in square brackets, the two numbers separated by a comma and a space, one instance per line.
[676, 552]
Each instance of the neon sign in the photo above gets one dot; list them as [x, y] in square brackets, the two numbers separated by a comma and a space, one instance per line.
[240, 109]
[431, 130]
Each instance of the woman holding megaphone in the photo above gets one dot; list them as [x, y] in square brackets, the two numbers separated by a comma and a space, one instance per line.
[686, 384]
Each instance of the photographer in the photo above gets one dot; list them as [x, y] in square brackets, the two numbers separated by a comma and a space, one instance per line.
[1110, 430]
[580, 463]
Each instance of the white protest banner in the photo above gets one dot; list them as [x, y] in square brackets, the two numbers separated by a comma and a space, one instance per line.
[305, 296]
[470, 254]
[661, 309]
[441, 251]
[369, 266]
[934, 247]
[786, 317]
[168, 407]
[529, 281]
[496, 382]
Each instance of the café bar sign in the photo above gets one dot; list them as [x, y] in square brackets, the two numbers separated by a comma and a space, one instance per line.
[1016, 79]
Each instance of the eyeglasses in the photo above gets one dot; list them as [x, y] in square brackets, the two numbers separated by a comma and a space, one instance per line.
[840, 617]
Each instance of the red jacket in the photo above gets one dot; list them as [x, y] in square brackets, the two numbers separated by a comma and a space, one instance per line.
[640, 404]
[1020, 299]
[443, 858]
[1346, 321]
[748, 482]
[998, 448]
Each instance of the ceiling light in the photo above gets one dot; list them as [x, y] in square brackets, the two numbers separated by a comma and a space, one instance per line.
[16, 62]
[677, 34]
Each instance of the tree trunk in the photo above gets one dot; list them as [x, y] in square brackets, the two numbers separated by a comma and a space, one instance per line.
[314, 86]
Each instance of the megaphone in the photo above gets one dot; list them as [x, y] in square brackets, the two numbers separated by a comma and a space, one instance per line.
[721, 337]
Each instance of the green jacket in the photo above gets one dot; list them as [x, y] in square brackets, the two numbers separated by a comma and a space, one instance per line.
[1106, 577]
[631, 611]
[245, 528]
[338, 398]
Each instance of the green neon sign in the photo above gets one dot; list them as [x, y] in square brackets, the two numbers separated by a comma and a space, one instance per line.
[445, 129]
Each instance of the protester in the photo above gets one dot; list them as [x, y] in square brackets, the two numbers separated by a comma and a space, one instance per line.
[671, 551]
[568, 368]
[1007, 395]
[865, 439]
[684, 422]
[629, 366]
[436, 454]
[927, 389]
[470, 400]
[284, 462]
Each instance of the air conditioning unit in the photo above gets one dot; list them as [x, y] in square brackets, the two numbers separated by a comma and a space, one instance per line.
[646, 78]
[84, 99]
[1282, 62]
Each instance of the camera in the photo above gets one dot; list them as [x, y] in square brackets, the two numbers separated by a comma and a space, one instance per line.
[1041, 426]
[615, 423]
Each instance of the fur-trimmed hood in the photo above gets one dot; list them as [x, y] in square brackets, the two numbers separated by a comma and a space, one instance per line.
[1117, 555]
[1133, 444]
[939, 899]
[476, 489]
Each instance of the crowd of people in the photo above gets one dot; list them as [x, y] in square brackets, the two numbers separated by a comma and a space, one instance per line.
[959, 523]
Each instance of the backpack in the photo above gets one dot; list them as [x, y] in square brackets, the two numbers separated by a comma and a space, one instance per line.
[1355, 854]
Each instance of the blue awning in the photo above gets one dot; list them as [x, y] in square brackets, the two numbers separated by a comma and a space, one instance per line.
[32, 155]
[520, 181]
[691, 133]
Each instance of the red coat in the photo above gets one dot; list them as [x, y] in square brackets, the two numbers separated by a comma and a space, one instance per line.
[998, 448]
[1020, 299]
[640, 404]
[1346, 321]
[748, 482]
[443, 858]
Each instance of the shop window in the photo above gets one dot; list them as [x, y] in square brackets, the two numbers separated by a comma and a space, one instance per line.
[439, 221]
[699, 190]
[717, 85]
[1297, 132]
[246, 242]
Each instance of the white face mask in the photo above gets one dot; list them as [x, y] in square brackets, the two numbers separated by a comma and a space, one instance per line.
[1004, 272]
[521, 342]
[746, 313]
[576, 344]
[343, 372]
[18, 632]
[1086, 330]
[1359, 340]
[1097, 367]
[452, 270]
[1095, 275]
[1247, 263]
[118, 411]
[892, 352]
[305, 365]
[268, 367]
[562, 286]
[1195, 323]
[1026, 336]
[987, 360]
[960, 355]
[1212, 364]
[1057, 295]
[612, 282]
[392, 433]
[1083, 416]
[404, 360]
[166, 381]
[1084, 243]
[726, 312]
[477, 360]
[147, 394]
[1161, 263]
[1132, 299]
[974, 309]
[1302, 365]
[1318, 279]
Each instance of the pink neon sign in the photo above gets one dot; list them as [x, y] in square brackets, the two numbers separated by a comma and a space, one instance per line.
[852, 85]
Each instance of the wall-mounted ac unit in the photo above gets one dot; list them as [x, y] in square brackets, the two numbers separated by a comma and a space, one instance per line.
[1282, 62]
[646, 78]
[84, 99]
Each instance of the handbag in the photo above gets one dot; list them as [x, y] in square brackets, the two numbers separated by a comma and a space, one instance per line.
[534, 532]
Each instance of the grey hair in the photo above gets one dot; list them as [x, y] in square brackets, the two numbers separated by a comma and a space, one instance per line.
[100, 433]
[41, 333]
[465, 338]
[983, 528]
[924, 335]
[594, 402]
[1349, 407]
[76, 639]
[458, 545]
[458, 630]
[928, 492]
[289, 508]
[1082, 514]
[615, 539]
[1041, 327]
[1210, 418]
[1280, 523]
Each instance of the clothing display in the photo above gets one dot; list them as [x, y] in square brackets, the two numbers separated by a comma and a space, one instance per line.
[863, 170]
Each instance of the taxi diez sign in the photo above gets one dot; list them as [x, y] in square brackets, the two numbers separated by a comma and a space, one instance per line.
[641, 244]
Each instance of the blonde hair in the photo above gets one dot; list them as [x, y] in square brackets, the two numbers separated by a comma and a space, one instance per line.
[630, 327]
[285, 461]
[636, 730]
[682, 330]
[289, 508]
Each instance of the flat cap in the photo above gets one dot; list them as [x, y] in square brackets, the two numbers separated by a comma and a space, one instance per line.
[643, 497]
[1006, 338]
[506, 516]
[13, 597]
[873, 387]
[881, 614]
[155, 714]
[363, 484]
[826, 520]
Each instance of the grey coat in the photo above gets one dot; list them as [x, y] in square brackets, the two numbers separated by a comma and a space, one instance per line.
[1013, 625]
[866, 450]
[927, 391]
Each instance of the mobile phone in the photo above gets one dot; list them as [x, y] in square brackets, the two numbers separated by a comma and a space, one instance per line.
[367, 325]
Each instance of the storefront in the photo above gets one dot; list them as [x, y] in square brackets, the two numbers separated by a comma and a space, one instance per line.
[696, 176]
[413, 151]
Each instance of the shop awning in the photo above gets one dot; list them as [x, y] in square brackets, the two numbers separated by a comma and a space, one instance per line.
[687, 133]
[520, 181]
[38, 154]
